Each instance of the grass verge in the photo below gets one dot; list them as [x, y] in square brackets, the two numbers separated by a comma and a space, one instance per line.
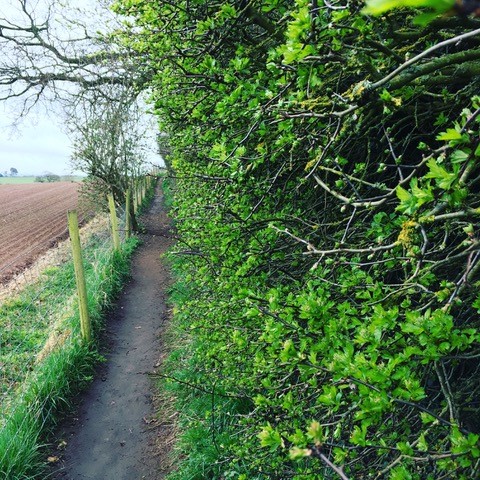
[204, 415]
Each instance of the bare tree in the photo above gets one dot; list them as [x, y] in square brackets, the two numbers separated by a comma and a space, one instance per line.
[108, 142]
[55, 51]
[51, 50]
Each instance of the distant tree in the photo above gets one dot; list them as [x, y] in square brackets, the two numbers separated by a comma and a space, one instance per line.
[47, 177]
[13, 171]
[51, 177]
[1, 175]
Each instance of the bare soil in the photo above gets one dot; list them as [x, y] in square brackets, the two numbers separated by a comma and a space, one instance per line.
[33, 218]
[55, 256]
[114, 434]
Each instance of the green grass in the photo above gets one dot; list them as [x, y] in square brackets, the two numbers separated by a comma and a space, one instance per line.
[204, 415]
[25, 323]
[39, 390]
[18, 180]
[167, 187]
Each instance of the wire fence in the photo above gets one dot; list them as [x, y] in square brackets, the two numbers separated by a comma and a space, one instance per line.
[36, 304]
[40, 329]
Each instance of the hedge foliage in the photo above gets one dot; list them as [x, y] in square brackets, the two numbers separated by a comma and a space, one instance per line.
[327, 201]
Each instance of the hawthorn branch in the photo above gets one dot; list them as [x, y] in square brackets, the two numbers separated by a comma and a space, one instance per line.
[316, 452]
[424, 54]
[263, 22]
[456, 59]
[312, 250]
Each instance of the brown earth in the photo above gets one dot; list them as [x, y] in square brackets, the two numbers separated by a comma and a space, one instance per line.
[33, 218]
[61, 253]
[114, 433]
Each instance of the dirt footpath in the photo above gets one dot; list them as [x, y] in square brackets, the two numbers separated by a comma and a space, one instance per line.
[114, 435]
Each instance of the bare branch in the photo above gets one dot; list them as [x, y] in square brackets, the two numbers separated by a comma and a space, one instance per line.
[424, 54]
[47, 50]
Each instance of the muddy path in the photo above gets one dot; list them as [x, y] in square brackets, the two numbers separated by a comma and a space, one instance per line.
[113, 435]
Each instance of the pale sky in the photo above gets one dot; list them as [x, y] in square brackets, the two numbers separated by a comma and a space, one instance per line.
[34, 149]
[40, 143]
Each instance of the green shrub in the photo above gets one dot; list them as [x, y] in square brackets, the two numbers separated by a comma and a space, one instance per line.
[327, 197]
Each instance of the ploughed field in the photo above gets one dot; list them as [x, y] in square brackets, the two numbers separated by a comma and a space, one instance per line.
[33, 218]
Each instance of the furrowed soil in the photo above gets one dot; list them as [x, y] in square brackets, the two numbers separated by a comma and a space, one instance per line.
[114, 434]
[33, 218]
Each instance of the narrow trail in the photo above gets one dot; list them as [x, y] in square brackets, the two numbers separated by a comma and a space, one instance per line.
[113, 435]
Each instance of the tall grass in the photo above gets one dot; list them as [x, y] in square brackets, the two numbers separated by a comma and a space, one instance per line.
[196, 450]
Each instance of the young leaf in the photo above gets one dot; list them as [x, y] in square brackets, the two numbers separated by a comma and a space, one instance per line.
[315, 432]
[270, 438]
[450, 134]
[377, 7]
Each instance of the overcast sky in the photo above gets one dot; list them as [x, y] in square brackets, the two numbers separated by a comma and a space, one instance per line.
[34, 149]
[40, 143]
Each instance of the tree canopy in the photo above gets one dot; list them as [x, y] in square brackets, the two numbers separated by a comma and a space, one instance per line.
[55, 50]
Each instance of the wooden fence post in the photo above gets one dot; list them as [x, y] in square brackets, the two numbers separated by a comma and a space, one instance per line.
[85, 326]
[114, 223]
[128, 222]
[139, 192]
[135, 196]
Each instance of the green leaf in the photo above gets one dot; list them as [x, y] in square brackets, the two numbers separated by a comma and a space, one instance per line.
[403, 194]
[329, 395]
[358, 435]
[270, 438]
[315, 432]
[442, 177]
[423, 19]
[450, 134]
[405, 448]
[476, 304]
[426, 418]
[400, 473]
[422, 195]
[459, 156]
[422, 444]
[377, 7]
[297, 453]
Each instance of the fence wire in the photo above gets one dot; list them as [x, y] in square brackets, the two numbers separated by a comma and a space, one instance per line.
[39, 322]
[35, 304]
